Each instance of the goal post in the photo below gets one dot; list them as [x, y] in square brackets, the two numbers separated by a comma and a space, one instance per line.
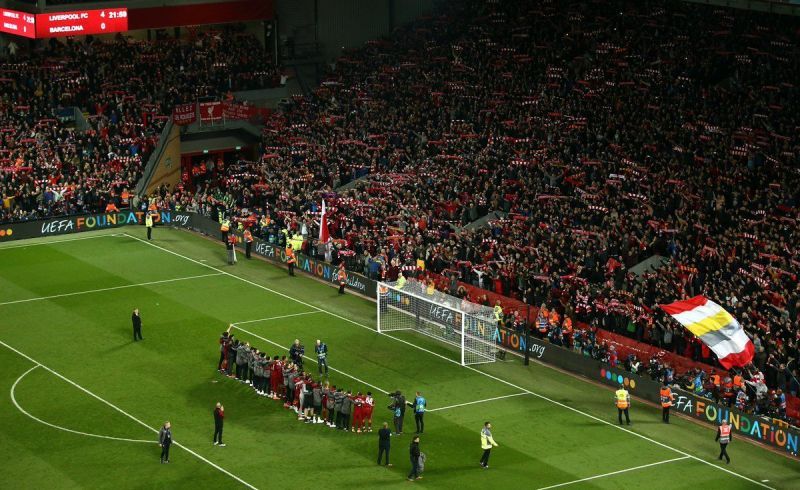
[467, 326]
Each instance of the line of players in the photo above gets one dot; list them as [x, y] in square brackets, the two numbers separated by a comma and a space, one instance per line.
[280, 378]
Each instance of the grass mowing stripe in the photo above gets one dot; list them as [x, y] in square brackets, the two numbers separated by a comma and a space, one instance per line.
[65, 429]
[37, 244]
[277, 317]
[123, 412]
[476, 401]
[575, 410]
[313, 360]
[615, 472]
[149, 283]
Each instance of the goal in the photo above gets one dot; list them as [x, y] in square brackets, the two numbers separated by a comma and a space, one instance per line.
[467, 326]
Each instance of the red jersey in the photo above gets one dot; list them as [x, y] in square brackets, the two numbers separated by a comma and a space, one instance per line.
[358, 406]
[369, 404]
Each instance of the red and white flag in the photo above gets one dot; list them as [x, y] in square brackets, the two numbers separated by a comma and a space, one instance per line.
[715, 327]
[324, 234]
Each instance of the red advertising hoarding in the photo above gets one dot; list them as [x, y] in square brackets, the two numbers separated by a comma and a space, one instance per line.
[81, 22]
[18, 23]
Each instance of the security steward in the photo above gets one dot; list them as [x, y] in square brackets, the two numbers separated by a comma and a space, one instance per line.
[342, 277]
[248, 242]
[666, 402]
[498, 314]
[291, 260]
[148, 222]
[724, 437]
[224, 228]
[623, 401]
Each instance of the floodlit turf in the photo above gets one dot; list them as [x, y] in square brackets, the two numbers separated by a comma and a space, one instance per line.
[189, 298]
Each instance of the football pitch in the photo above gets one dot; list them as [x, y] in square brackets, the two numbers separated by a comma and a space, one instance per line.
[82, 403]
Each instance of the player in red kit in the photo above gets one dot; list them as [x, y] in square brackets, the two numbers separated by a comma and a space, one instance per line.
[369, 404]
[276, 377]
[358, 412]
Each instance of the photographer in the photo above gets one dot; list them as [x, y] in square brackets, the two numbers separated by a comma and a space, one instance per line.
[398, 406]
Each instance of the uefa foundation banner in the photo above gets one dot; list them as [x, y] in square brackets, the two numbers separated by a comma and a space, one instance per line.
[87, 222]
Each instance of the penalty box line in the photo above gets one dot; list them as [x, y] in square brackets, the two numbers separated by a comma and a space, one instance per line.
[438, 409]
[123, 412]
[113, 288]
[52, 242]
[483, 373]
[616, 472]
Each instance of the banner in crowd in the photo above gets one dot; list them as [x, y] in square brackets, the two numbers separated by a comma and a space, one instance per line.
[210, 111]
[717, 328]
[238, 111]
[184, 114]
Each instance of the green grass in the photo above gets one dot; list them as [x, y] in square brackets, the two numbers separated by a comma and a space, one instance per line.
[86, 338]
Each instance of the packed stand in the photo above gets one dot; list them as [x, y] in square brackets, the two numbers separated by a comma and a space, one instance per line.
[607, 135]
[127, 89]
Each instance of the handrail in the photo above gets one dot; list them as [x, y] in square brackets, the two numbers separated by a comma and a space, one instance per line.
[152, 162]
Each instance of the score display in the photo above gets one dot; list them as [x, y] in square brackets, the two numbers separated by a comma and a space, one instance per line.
[62, 24]
[81, 22]
[19, 23]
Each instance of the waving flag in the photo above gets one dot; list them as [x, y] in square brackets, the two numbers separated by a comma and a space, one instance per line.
[715, 327]
[324, 234]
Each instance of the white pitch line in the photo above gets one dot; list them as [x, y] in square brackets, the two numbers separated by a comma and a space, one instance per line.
[123, 412]
[37, 244]
[312, 360]
[615, 472]
[575, 410]
[76, 293]
[476, 401]
[278, 317]
[99, 436]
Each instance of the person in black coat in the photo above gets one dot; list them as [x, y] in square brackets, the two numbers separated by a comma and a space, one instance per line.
[414, 454]
[384, 443]
[165, 441]
[136, 319]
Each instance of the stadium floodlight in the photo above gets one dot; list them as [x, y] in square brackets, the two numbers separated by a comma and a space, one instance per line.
[467, 326]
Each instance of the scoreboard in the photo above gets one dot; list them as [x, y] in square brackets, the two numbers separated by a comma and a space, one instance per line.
[62, 24]
[81, 22]
[19, 23]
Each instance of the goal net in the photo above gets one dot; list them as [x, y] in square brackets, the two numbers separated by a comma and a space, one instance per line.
[467, 326]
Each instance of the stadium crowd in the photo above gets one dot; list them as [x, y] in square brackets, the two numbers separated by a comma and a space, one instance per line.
[51, 165]
[588, 139]
[603, 140]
